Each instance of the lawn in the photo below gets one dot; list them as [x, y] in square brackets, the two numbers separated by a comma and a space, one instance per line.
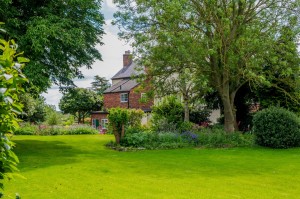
[70, 167]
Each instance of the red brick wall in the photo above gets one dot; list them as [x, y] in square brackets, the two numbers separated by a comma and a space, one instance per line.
[134, 101]
[113, 100]
[98, 116]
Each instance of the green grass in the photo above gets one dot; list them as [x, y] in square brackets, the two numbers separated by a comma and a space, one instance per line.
[69, 167]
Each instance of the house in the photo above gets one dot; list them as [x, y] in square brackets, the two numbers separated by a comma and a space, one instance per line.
[122, 93]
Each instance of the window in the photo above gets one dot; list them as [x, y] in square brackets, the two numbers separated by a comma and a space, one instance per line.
[104, 123]
[124, 97]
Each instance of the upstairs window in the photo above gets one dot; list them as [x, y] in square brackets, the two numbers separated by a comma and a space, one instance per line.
[124, 97]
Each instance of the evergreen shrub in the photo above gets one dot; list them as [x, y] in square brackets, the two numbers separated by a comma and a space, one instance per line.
[276, 128]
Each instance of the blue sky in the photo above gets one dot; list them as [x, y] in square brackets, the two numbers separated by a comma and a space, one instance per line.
[112, 55]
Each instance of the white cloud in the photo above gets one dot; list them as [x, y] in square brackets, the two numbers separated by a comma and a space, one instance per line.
[112, 54]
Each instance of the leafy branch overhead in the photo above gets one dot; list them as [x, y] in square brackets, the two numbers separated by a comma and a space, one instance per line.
[59, 37]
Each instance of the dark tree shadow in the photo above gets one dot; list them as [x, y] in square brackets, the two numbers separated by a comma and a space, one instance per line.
[35, 154]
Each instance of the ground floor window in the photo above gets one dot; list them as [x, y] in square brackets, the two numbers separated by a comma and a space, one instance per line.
[104, 123]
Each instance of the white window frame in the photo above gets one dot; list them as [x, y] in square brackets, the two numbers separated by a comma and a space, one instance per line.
[104, 123]
[124, 99]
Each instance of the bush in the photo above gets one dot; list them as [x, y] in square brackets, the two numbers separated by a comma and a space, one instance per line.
[26, 129]
[163, 125]
[150, 140]
[218, 138]
[276, 128]
[169, 110]
[80, 130]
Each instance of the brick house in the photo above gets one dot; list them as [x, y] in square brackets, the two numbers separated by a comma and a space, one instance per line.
[122, 93]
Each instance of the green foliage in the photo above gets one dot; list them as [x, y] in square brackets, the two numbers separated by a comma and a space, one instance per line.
[53, 118]
[28, 129]
[35, 108]
[135, 118]
[276, 128]
[282, 71]
[207, 137]
[59, 37]
[169, 111]
[198, 116]
[80, 102]
[11, 80]
[121, 119]
[69, 120]
[150, 140]
[100, 84]
[218, 138]
[226, 43]
[118, 118]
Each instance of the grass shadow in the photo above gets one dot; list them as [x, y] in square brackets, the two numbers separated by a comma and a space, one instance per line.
[35, 154]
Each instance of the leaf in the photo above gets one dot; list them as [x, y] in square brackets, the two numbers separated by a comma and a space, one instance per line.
[23, 59]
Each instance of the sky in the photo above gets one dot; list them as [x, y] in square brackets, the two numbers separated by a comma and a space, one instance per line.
[112, 55]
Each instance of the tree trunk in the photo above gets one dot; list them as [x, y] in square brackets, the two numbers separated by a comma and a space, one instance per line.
[123, 131]
[186, 110]
[230, 123]
[229, 116]
[79, 118]
[116, 134]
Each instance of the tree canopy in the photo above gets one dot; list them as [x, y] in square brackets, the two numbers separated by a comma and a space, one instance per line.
[59, 37]
[80, 102]
[227, 42]
[100, 84]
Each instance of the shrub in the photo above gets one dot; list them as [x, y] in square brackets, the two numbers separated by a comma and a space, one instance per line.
[190, 137]
[121, 118]
[169, 110]
[150, 140]
[218, 138]
[276, 128]
[186, 126]
[26, 129]
[199, 116]
[118, 118]
[80, 130]
[163, 125]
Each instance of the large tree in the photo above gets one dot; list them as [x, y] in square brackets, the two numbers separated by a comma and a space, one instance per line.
[80, 102]
[100, 84]
[229, 39]
[59, 37]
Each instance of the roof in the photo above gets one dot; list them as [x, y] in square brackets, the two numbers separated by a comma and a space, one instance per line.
[127, 72]
[122, 86]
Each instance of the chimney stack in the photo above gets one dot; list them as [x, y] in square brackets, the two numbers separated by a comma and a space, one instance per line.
[127, 58]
